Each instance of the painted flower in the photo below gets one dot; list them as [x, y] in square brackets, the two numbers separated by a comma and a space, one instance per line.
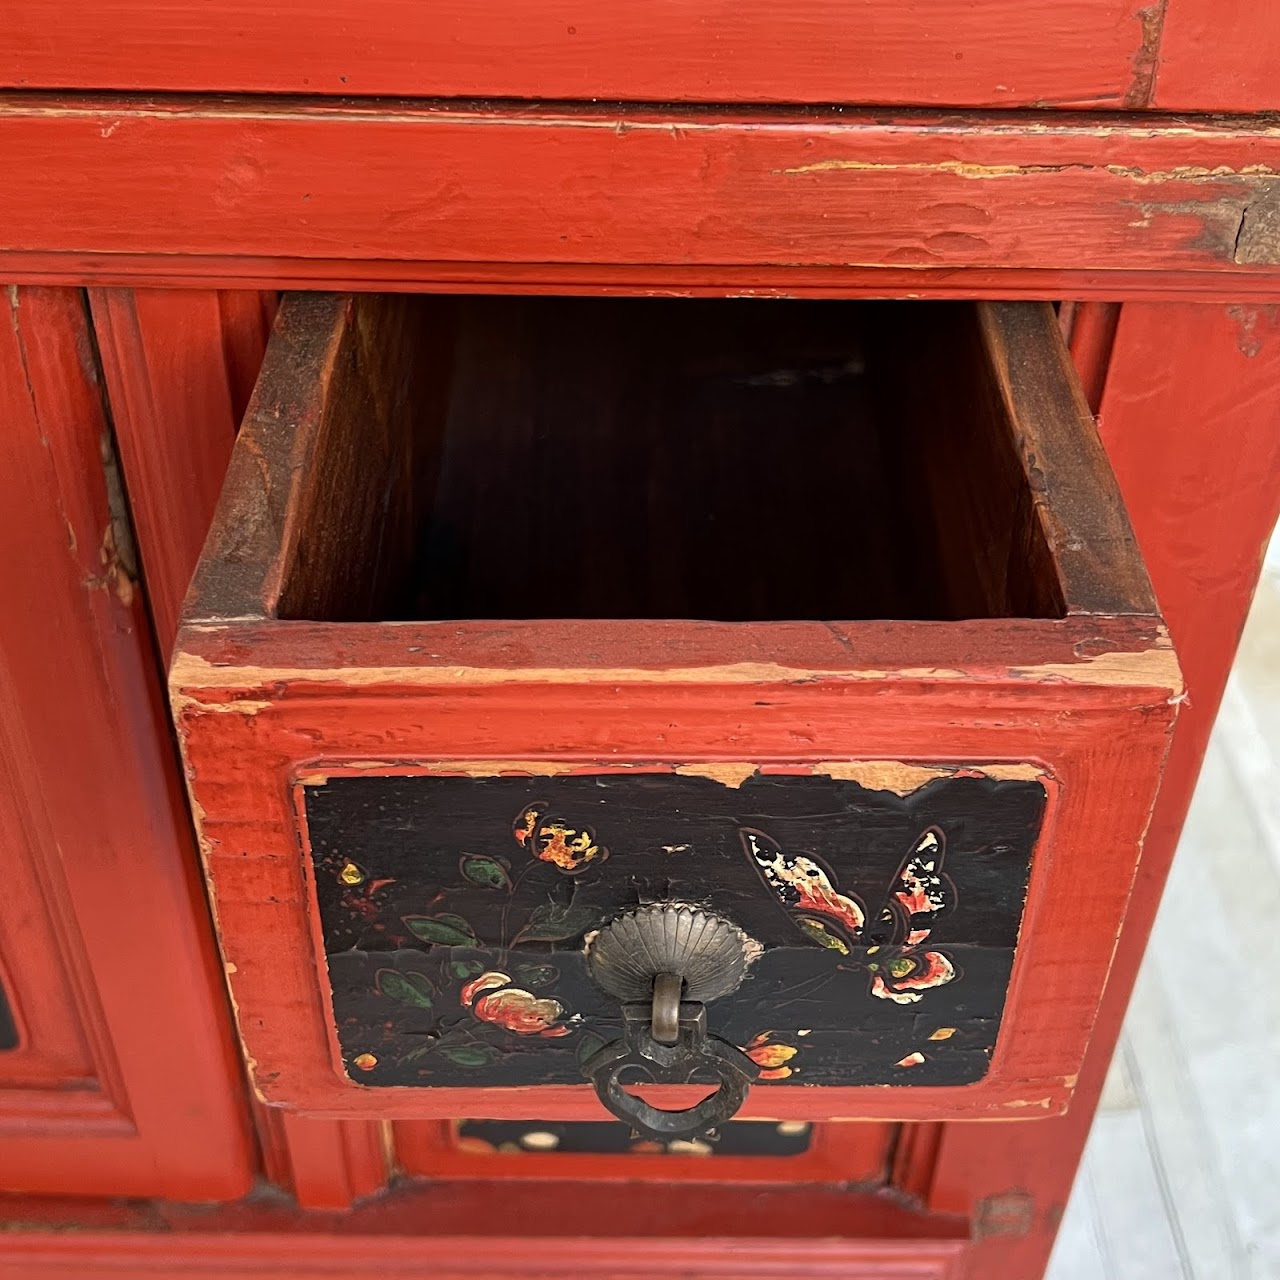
[771, 1056]
[905, 978]
[568, 848]
[492, 998]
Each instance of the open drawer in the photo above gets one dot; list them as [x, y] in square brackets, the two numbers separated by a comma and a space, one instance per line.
[520, 614]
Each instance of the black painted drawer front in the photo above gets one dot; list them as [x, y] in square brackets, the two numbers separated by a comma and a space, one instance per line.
[756, 1138]
[456, 909]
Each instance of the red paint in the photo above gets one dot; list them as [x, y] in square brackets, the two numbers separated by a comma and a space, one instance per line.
[104, 195]
[465, 1229]
[1203, 515]
[236, 273]
[134, 1086]
[411, 697]
[246, 759]
[1093, 334]
[1219, 55]
[1002, 53]
[179, 369]
[373, 187]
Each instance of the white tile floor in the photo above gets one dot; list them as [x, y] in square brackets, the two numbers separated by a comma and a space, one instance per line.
[1181, 1177]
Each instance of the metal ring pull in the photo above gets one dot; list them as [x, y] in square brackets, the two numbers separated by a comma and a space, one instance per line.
[694, 1052]
[649, 960]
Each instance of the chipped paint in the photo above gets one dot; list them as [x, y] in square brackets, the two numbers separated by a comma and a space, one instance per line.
[882, 775]
[642, 120]
[1156, 667]
[876, 775]
[182, 701]
[903, 778]
[1011, 1213]
[1257, 242]
[1146, 58]
[983, 172]
[729, 775]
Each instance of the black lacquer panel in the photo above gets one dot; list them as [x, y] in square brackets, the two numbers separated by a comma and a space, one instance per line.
[607, 1137]
[455, 911]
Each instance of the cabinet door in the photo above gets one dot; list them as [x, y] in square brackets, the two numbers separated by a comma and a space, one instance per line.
[121, 1075]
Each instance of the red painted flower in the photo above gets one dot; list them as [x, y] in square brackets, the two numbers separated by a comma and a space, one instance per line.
[773, 1057]
[492, 998]
[904, 978]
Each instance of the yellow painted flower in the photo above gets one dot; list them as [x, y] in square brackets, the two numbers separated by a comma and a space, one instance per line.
[365, 1062]
[567, 847]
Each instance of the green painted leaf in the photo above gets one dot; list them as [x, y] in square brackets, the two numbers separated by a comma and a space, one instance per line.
[552, 922]
[408, 988]
[449, 918]
[589, 1044]
[822, 935]
[469, 1055]
[464, 969]
[446, 930]
[488, 873]
[533, 976]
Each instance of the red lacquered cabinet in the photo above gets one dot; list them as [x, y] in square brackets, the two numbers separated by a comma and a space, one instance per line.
[473, 480]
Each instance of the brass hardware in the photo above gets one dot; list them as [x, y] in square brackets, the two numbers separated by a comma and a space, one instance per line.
[665, 1023]
[649, 959]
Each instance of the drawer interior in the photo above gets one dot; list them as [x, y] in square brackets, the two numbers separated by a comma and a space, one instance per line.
[721, 459]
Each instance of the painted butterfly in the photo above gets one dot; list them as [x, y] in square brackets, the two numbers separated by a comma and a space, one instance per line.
[917, 897]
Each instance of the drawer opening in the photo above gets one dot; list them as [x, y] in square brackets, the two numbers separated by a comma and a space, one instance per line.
[736, 460]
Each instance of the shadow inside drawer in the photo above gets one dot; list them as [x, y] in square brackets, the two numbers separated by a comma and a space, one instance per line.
[732, 460]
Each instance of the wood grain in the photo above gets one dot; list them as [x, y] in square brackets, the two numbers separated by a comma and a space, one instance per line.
[944, 52]
[545, 400]
[378, 192]
[175, 367]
